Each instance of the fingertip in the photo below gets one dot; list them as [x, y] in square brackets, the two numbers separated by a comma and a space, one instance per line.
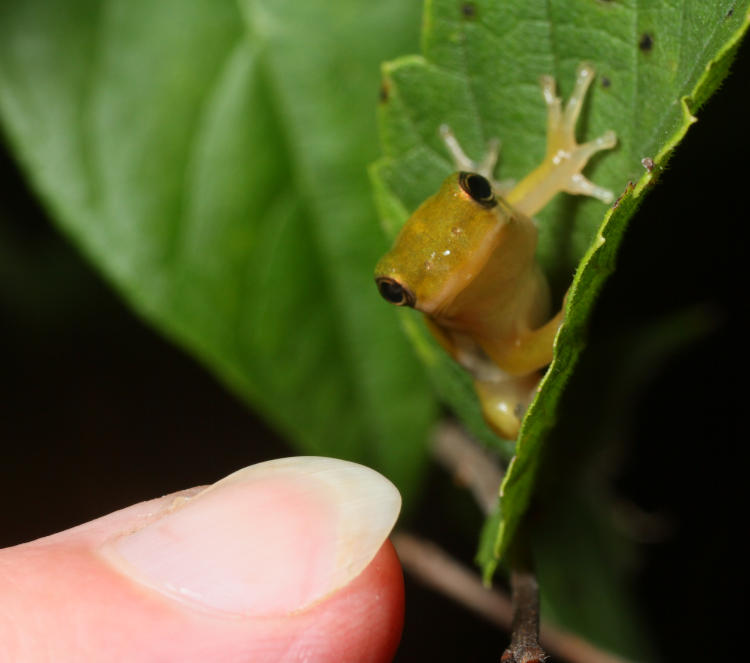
[268, 540]
[370, 611]
[360, 622]
[62, 595]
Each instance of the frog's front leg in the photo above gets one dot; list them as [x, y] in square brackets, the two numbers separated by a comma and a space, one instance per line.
[565, 158]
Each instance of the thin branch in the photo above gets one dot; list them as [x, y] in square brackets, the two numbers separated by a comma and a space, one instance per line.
[470, 465]
[524, 643]
[433, 567]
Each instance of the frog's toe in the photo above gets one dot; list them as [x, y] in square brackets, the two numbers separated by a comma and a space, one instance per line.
[605, 142]
[578, 184]
[461, 161]
[549, 90]
[584, 77]
[487, 165]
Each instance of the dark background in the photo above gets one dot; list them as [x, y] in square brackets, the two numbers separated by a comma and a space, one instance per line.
[97, 411]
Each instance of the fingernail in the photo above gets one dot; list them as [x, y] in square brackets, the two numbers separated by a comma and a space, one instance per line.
[267, 540]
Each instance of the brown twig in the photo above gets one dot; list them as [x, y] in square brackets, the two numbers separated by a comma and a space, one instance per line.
[524, 643]
[432, 566]
[471, 465]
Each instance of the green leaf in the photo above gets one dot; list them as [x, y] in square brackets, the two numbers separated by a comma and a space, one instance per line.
[209, 156]
[685, 72]
[479, 72]
[481, 61]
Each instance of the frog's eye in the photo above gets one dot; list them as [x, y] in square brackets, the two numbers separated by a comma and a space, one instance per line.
[478, 188]
[392, 291]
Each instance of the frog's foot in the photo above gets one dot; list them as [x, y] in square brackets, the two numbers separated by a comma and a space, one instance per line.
[485, 167]
[504, 401]
[565, 158]
[562, 149]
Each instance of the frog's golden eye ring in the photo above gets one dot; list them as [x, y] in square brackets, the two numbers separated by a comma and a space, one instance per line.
[395, 293]
[478, 188]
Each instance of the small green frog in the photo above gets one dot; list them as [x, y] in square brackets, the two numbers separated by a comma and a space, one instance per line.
[466, 259]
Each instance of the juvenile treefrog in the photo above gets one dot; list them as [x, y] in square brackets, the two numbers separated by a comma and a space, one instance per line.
[466, 259]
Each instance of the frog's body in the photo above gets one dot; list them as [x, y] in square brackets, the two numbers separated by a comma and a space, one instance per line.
[466, 259]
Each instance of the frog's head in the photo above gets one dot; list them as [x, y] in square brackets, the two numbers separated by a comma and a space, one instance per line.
[444, 244]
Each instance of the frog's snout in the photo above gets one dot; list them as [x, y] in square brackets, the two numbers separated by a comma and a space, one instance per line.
[394, 292]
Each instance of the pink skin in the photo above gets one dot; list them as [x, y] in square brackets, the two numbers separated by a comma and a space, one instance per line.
[61, 601]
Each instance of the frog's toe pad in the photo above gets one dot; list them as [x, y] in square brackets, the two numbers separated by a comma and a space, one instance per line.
[578, 184]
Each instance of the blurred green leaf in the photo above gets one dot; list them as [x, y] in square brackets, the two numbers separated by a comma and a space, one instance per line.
[210, 157]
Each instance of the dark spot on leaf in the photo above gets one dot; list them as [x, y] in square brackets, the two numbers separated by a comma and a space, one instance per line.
[646, 43]
[469, 10]
[385, 90]
[730, 13]
[606, 82]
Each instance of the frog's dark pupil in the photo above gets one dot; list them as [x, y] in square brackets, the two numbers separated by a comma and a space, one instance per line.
[479, 187]
[391, 291]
